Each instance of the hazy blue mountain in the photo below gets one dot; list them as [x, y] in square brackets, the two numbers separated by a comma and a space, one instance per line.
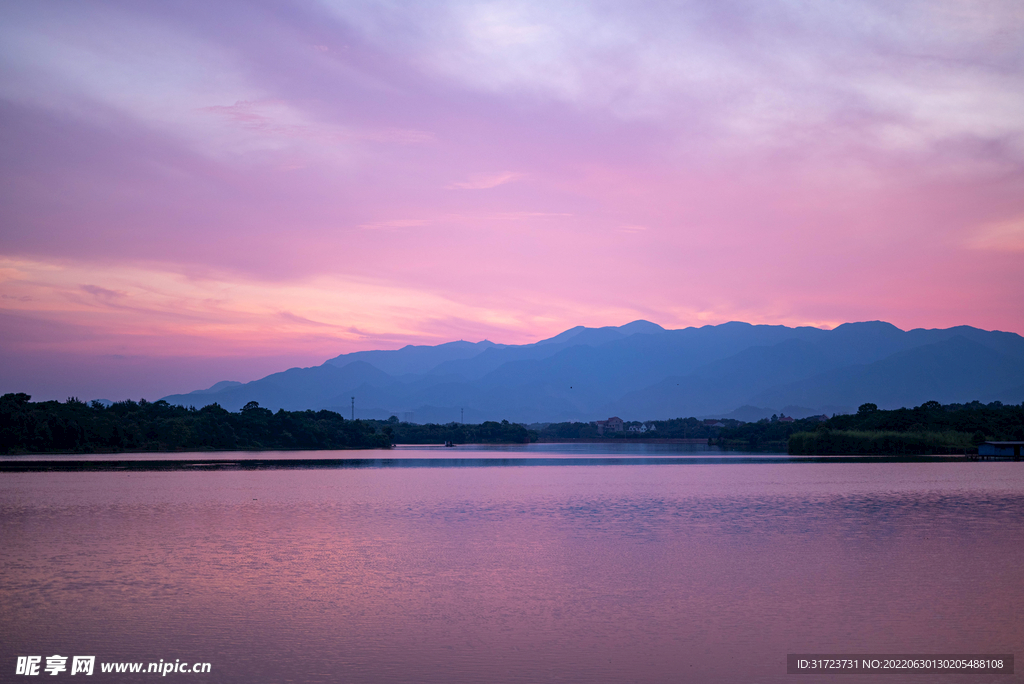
[414, 358]
[722, 385]
[492, 359]
[584, 335]
[953, 370]
[1010, 344]
[642, 371]
[1014, 395]
[332, 384]
[750, 414]
[218, 387]
[295, 389]
[604, 371]
[837, 371]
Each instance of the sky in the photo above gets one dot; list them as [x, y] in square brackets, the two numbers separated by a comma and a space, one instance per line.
[195, 191]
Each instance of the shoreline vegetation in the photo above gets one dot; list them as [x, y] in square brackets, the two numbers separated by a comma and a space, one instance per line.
[128, 426]
[931, 428]
[881, 442]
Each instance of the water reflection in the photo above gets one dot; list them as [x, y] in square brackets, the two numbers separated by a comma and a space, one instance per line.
[645, 573]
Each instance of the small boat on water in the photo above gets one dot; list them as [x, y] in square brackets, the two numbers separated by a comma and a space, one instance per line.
[449, 444]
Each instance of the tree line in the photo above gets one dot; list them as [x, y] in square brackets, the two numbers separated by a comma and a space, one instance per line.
[488, 432]
[76, 427]
[675, 428]
[929, 428]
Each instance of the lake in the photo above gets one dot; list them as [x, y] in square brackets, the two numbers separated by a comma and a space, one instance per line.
[642, 572]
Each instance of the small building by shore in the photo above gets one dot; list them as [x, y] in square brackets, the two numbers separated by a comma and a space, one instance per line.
[613, 424]
[1000, 449]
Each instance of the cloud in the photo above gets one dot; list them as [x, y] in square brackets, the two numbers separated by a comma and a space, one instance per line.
[280, 119]
[303, 321]
[101, 292]
[788, 154]
[486, 182]
[868, 74]
[172, 313]
[10, 274]
[1002, 236]
[395, 223]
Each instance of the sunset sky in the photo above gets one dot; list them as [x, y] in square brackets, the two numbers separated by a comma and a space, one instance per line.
[202, 191]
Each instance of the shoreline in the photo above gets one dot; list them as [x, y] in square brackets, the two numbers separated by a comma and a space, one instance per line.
[193, 465]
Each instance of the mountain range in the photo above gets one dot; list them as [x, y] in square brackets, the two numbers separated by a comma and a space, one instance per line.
[641, 371]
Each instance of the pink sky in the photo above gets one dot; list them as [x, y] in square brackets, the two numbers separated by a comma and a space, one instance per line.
[212, 191]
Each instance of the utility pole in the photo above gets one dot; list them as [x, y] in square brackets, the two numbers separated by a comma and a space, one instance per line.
[353, 408]
[463, 419]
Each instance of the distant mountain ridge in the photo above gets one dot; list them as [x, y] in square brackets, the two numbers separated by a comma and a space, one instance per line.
[642, 371]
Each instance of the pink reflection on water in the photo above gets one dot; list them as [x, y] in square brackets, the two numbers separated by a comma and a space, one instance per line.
[634, 573]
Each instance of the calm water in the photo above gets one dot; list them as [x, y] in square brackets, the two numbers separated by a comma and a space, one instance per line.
[631, 573]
